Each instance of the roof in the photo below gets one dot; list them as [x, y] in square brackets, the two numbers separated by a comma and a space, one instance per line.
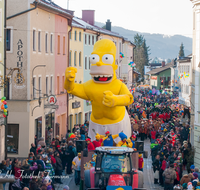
[95, 28]
[159, 70]
[48, 4]
[114, 150]
[184, 59]
[155, 64]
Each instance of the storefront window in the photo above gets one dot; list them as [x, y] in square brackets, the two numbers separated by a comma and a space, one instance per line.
[13, 138]
[49, 127]
[38, 127]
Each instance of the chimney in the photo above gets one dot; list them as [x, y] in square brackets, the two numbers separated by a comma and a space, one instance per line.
[88, 16]
[108, 25]
[163, 63]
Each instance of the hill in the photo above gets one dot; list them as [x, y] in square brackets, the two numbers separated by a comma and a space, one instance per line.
[161, 46]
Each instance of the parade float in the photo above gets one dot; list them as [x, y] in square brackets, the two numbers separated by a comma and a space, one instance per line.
[108, 96]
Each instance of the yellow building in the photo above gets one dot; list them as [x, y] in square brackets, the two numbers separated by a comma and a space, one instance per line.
[75, 104]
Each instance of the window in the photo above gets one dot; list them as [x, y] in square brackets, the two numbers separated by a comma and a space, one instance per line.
[46, 43]
[76, 118]
[8, 39]
[34, 94]
[70, 35]
[63, 45]
[39, 86]
[89, 63]
[79, 59]
[58, 85]
[85, 62]
[70, 58]
[58, 44]
[80, 118]
[120, 47]
[80, 36]
[75, 59]
[92, 40]
[47, 85]
[85, 38]
[75, 35]
[51, 85]
[34, 48]
[89, 39]
[38, 127]
[51, 43]
[39, 41]
[13, 138]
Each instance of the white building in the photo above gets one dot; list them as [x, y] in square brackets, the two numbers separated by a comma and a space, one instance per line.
[184, 71]
[195, 106]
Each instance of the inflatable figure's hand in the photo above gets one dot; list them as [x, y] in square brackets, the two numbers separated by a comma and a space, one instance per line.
[70, 73]
[109, 99]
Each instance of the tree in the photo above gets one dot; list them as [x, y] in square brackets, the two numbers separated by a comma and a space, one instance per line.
[141, 55]
[181, 51]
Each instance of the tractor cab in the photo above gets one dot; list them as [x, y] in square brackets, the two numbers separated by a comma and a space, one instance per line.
[115, 166]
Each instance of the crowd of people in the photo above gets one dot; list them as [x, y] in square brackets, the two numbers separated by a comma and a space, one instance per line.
[166, 124]
[46, 163]
[158, 118]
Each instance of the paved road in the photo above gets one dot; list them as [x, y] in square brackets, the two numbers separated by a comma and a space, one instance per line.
[148, 171]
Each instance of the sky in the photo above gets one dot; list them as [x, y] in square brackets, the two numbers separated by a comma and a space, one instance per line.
[167, 17]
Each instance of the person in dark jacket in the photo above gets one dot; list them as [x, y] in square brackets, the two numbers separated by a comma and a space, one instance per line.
[33, 148]
[13, 165]
[70, 156]
[59, 168]
[41, 162]
[26, 172]
[34, 184]
[156, 168]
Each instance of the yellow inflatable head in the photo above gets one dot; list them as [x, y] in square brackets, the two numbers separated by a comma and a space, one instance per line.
[103, 61]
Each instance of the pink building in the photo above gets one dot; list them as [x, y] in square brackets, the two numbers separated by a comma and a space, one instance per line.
[61, 62]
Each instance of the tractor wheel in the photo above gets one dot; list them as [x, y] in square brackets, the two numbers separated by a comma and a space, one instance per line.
[140, 179]
[87, 178]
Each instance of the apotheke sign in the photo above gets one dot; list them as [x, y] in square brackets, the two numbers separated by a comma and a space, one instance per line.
[51, 102]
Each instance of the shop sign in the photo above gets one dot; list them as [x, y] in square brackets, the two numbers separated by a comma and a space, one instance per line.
[19, 78]
[154, 77]
[52, 100]
[76, 105]
[51, 103]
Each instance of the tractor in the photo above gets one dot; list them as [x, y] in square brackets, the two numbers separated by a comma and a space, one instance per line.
[114, 168]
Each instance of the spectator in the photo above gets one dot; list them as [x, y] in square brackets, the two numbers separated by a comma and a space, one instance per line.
[59, 168]
[26, 172]
[169, 175]
[70, 157]
[17, 169]
[196, 170]
[186, 178]
[66, 187]
[42, 143]
[76, 163]
[33, 148]
[156, 168]
[41, 162]
[195, 180]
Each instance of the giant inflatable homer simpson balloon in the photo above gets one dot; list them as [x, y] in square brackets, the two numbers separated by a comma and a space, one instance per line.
[108, 95]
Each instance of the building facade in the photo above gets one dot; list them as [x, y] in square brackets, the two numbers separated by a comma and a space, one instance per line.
[184, 71]
[32, 39]
[75, 104]
[195, 98]
[2, 127]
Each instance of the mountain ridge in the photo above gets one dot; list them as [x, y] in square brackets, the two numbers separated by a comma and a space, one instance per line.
[161, 46]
